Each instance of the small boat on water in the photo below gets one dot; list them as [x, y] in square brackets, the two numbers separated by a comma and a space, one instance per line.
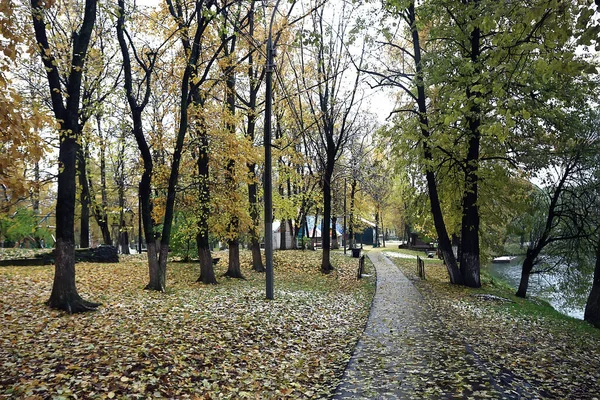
[503, 259]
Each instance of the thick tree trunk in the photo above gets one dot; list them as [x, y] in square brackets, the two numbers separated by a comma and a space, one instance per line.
[592, 307]
[64, 294]
[234, 270]
[207, 270]
[469, 261]
[156, 273]
[124, 240]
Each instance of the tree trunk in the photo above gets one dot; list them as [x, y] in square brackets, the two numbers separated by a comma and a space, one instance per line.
[207, 270]
[314, 232]
[526, 272]
[64, 294]
[293, 235]
[100, 209]
[469, 261]
[376, 242]
[84, 199]
[282, 234]
[326, 266]
[334, 239]
[102, 217]
[123, 234]
[255, 82]
[352, 242]
[592, 307]
[434, 200]
[257, 263]
[304, 234]
[382, 228]
[234, 270]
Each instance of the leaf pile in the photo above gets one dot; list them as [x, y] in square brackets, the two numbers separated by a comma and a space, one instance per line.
[528, 349]
[195, 341]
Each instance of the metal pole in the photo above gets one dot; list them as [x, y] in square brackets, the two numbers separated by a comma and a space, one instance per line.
[345, 236]
[268, 172]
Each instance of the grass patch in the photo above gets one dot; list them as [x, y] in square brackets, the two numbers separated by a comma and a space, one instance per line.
[524, 343]
[195, 341]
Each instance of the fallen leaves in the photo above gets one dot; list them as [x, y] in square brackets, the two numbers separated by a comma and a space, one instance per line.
[195, 341]
[528, 350]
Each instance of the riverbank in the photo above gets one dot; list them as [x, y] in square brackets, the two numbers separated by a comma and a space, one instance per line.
[523, 342]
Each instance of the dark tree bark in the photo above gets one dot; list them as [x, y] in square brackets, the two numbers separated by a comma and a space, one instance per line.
[526, 269]
[145, 189]
[123, 234]
[545, 237]
[469, 261]
[100, 214]
[282, 235]
[233, 269]
[434, 200]
[84, 199]
[64, 294]
[326, 266]
[257, 263]
[207, 271]
[314, 232]
[352, 242]
[255, 78]
[334, 238]
[592, 307]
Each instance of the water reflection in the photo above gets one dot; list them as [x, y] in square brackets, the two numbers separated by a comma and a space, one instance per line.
[540, 285]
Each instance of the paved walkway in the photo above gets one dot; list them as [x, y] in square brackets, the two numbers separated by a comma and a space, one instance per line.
[406, 353]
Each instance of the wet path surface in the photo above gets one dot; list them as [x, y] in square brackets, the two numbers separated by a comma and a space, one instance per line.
[407, 353]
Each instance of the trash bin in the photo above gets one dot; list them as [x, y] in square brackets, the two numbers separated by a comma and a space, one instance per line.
[356, 253]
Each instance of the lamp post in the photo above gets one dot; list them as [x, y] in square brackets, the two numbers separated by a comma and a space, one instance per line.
[268, 184]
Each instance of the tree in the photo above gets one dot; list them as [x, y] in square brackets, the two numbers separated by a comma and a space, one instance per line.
[592, 307]
[406, 81]
[137, 99]
[64, 294]
[567, 196]
[333, 108]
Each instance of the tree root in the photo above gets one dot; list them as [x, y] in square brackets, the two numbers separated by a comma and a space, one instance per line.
[74, 306]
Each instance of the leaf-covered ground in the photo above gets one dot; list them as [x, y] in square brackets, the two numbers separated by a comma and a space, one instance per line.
[528, 349]
[195, 341]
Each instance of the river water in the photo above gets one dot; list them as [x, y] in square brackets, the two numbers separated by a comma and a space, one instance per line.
[540, 285]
